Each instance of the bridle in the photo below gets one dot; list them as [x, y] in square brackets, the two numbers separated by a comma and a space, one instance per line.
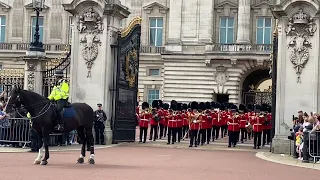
[44, 110]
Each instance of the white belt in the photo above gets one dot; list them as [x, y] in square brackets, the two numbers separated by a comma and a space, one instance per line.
[243, 120]
[144, 120]
[233, 123]
[257, 124]
[172, 120]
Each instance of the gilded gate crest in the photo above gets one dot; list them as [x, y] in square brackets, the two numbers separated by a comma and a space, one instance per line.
[131, 67]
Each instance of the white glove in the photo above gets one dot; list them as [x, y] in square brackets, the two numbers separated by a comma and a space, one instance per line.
[194, 121]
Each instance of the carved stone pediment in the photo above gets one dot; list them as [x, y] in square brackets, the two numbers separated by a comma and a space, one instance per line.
[30, 6]
[5, 7]
[150, 7]
[226, 7]
[90, 25]
[300, 27]
[261, 4]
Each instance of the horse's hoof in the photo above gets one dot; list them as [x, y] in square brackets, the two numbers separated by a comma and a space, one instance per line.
[91, 161]
[80, 161]
[36, 162]
[44, 163]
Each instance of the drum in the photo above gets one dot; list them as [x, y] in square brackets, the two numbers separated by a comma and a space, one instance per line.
[249, 128]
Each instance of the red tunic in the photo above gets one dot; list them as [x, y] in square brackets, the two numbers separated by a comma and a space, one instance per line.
[243, 121]
[165, 114]
[153, 122]
[223, 119]
[257, 124]
[185, 119]
[208, 121]
[214, 119]
[162, 119]
[233, 124]
[144, 120]
[172, 122]
[195, 126]
[268, 121]
[179, 120]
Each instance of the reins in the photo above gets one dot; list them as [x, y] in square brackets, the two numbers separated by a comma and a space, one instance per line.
[40, 112]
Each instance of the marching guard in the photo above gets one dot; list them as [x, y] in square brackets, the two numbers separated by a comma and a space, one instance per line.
[243, 122]
[267, 125]
[154, 121]
[208, 124]
[257, 127]
[144, 122]
[195, 120]
[172, 123]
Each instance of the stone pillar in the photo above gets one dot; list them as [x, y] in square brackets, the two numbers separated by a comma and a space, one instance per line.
[206, 19]
[92, 64]
[174, 34]
[297, 67]
[244, 27]
[33, 78]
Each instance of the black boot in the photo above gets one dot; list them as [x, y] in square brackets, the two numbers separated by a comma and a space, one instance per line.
[59, 126]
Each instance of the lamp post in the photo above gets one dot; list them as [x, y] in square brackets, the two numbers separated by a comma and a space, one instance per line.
[36, 45]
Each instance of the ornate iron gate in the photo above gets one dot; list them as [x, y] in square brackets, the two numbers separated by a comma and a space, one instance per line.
[257, 97]
[8, 79]
[126, 87]
[51, 67]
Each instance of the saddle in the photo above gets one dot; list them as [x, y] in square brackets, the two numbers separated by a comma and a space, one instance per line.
[67, 111]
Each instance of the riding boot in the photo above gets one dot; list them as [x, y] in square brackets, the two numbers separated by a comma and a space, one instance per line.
[60, 124]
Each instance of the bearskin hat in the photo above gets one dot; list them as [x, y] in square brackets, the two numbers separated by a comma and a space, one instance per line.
[145, 105]
[264, 107]
[208, 105]
[194, 105]
[166, 106]
[269, 109]
[213, 105]
[242, 108]
[160, 102]
[202, 106]
[173, 105]
[217, 106]
[155, 104]
[257, 108]
[179, 106]
[222, 107]
[250, 107]
[233, 106]
[184, 106]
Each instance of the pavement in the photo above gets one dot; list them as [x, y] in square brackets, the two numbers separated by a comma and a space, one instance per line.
[135, 162]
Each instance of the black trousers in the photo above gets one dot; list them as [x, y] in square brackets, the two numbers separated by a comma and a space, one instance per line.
[215, 132]
[243, 134]
[153, 132]
[257, 139]
[232, 138]
[208, 135]
[161, 129]
[224, 129]
[99, 132]
[172, 133]
[60, 105]
[184, 131]
[193, 137]
[202, 136]
[266, 137]
[143, 132]
[179, 132]
[165, 131]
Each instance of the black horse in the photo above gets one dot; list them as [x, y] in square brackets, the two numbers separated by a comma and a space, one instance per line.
[80, 116]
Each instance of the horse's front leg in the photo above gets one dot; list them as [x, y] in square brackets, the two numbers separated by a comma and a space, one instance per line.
[40, 149]
[46, 139]
[91, 144]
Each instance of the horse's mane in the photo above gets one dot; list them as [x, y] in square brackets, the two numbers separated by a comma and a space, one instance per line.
[34, 95]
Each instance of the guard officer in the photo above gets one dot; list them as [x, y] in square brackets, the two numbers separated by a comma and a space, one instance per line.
[100, 118]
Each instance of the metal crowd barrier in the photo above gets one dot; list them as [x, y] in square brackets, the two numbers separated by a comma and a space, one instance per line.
[15, 130]
[314, 145]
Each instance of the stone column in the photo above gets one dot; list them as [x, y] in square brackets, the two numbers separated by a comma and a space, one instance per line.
[174, 34]
[206, 21]
[33, 78]
[92, 65]
[244, 13]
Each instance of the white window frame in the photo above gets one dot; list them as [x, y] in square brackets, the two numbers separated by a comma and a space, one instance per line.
[264, 29]
[149, 71]
[156, 30]
[2, 16]
[227, 27]
[71, 25]
[148, 92]
[31, 27]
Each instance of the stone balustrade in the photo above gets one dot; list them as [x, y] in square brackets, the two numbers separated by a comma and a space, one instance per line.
[25, 47]
[151, 49]
[254, 48]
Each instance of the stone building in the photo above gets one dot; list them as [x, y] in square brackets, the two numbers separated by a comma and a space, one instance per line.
[204, 50]
[200, 50]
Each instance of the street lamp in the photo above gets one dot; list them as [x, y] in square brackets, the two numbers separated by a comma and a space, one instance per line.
[36, 45]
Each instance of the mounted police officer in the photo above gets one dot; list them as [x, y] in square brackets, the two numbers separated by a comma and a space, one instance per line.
[100, 118]
[60, 94]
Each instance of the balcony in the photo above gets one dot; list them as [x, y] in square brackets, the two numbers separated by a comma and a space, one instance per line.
[240, 48]
[151, 49]
[25, 46]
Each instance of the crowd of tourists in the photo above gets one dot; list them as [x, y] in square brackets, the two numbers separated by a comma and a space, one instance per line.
[306, 135]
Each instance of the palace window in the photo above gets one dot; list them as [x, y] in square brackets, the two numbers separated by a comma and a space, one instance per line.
[264, 30]
[153, 94]
[154, 72]
[33, 28]
[2, 28]
[156, 31]
[226, 30]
